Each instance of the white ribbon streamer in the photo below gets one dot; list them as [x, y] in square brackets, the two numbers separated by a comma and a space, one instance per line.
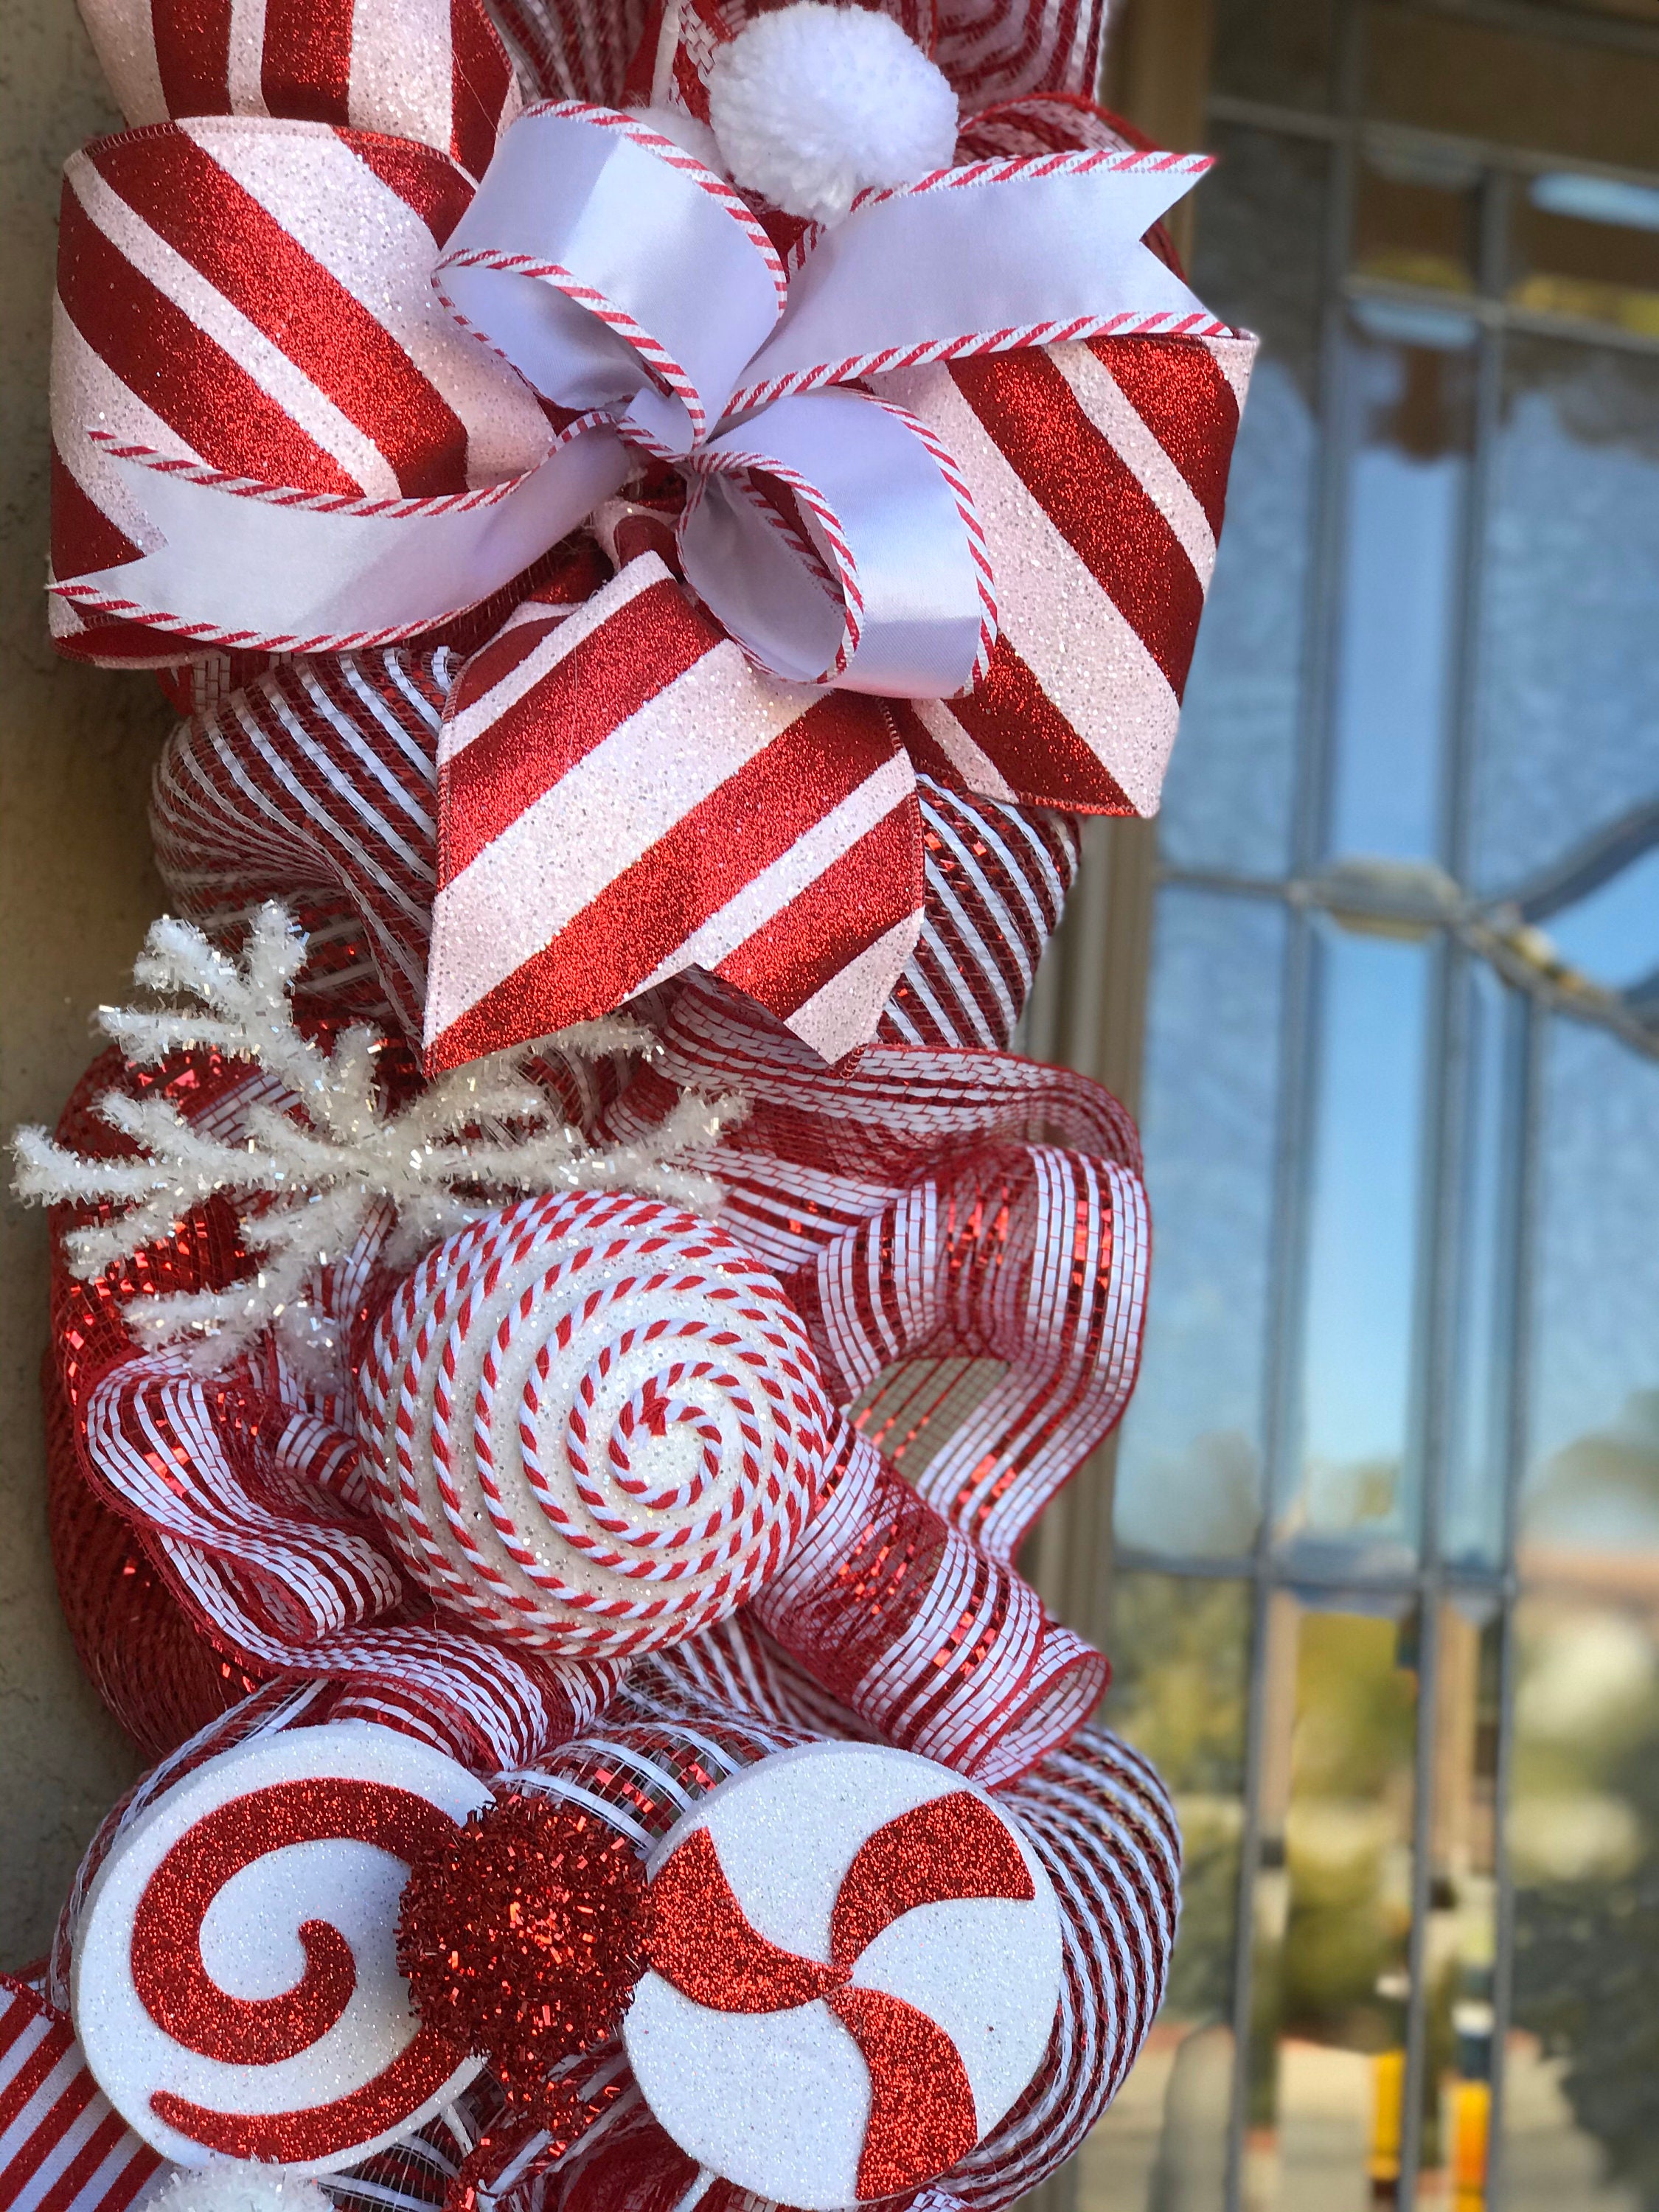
[909, 616]
[278, 571]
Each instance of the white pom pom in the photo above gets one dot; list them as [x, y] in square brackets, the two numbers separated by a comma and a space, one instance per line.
[812, 104]
[686, 133]
[235, 2184]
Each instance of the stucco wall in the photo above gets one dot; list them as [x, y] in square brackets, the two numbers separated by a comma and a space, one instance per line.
[77, 889]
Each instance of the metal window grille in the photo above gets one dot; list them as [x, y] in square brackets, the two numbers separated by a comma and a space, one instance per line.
[1385, 1596]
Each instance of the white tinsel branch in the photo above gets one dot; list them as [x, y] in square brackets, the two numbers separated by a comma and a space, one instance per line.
[312, 1182]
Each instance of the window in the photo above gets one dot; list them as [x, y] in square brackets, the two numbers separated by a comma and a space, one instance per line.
[1385, 1604]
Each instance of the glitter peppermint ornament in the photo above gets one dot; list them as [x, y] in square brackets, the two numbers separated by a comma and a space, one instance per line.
[592, 1423]
[854, 1966]
[235, 1986]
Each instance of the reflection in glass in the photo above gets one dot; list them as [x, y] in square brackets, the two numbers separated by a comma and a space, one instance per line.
[1179, 1694]
[1589, 247]
[1472, 1528]
[1415, 224]
[1332, 1909]
[1581, 2069]
[1189, 1469]
[1568, 655]
[1408, 381]
[1612, 934]
[1282, 54]
[1356, 1504]
[1460, 1939]
[1230, 789]
[1593, 1486]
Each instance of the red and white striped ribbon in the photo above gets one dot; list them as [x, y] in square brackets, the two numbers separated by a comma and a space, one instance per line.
[431, 70]
[623, 796]
[63, 2147]
[1099, 471]
[317, 783]
[244, 303]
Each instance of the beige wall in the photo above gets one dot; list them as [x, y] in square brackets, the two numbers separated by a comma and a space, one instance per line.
[77, 889]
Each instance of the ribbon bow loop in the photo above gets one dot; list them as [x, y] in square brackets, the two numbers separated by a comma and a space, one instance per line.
[627, 283]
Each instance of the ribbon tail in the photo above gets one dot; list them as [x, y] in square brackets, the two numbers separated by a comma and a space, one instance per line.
[1000, 254]
[623, 797]
[271, 571]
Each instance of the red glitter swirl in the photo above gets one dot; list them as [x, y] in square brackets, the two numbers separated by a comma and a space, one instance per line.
[183, 1999]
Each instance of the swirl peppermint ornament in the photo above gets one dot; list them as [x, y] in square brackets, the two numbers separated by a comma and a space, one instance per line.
[854, 1966]
[592, 1423]
[235, 1986]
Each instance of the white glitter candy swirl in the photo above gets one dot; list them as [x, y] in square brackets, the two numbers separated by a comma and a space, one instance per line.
[592, 1423]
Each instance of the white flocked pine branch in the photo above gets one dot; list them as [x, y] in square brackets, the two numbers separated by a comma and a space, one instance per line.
[327, 1166]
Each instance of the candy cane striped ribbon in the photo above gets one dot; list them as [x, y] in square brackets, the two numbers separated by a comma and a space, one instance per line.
[1099, 471]
[63, 2148]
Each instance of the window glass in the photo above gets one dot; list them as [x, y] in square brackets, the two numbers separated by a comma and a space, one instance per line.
[1332, 1909]
[1180, 1693]
[1228, 801]
[1592, 1486]
[1588, 248]
[1438, 69]
[1282, 54]
[1190, 1468]
[1354, 1508]
[1415, 220]
[1408, 391]
[1569, 736]
[1460, 1941]
[1582, 2064]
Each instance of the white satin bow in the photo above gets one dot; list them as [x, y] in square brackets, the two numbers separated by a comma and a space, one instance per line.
[830, 532]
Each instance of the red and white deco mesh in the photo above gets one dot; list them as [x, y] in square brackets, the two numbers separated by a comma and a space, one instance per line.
[690, 1717]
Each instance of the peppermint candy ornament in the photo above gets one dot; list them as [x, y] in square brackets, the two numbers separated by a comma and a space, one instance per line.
[592, 1423]
[854, 1963]
[235, 1986]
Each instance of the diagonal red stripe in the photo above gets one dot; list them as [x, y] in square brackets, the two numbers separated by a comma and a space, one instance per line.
[306, 71]
[17, 2089]
[639, 919]
[434, 189]
[83, 538]
[1176, 388]
[869, 889]
[597, 686]
[480, 76]
[179, 372]
[105, 2140]
[54, 2124]
[1092, 498]
[1013, 720]
[193, 54]
[244, 252]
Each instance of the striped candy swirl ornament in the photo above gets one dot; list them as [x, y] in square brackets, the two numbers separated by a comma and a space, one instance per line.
[592, 1423]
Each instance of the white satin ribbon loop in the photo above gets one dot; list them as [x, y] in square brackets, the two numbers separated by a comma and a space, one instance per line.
[886, 597]
[615, 272]
[976, 261]
[278, 570]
